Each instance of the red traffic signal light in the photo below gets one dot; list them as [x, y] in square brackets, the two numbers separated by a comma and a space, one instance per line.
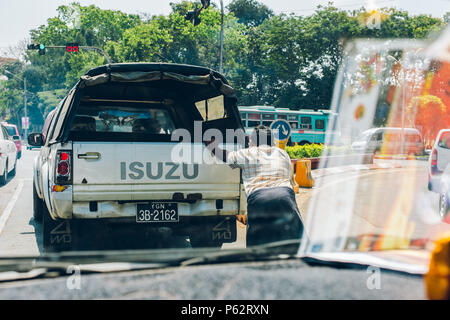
[72, 47]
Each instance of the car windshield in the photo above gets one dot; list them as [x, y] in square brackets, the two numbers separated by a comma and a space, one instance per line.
[145, 146]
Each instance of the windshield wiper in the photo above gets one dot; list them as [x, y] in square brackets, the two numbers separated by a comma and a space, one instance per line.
[285, 249]
[57, 264]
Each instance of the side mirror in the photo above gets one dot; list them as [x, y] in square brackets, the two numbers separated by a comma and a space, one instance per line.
[16, 138]
[36, 139]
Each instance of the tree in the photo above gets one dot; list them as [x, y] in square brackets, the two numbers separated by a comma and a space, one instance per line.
[86, 25]
[293, 60]
[430, 114]
[250, 12]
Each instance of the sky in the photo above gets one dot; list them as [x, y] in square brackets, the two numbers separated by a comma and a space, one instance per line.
[18, 17]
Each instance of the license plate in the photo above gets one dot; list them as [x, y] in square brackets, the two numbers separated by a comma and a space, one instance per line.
[157, 212]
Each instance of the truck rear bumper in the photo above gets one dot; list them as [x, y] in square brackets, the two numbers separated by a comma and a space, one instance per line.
[114, 209]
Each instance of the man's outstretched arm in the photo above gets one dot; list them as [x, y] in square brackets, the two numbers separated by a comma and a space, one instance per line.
[218, 152]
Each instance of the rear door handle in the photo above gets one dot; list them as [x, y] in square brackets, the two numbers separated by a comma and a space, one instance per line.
[89, 156]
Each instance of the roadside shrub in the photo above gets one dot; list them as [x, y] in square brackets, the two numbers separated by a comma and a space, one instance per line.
[316, 150]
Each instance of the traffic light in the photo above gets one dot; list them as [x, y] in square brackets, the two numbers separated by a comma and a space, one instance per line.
[40, 47]
[193, 16]
[205, 3]
[72, 47]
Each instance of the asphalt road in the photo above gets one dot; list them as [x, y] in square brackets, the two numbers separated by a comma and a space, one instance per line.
[18, 232]
[390, 201]
[394, 203]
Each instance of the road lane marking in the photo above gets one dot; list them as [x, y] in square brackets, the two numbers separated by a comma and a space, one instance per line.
[7, 213]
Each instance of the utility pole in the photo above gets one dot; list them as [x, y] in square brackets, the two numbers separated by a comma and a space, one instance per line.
[25, 106]
[221, 37]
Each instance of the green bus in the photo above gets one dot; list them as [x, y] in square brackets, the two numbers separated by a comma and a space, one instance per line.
[308, 126]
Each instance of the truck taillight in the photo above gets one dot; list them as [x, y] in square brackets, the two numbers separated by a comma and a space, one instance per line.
[63, 167]
[434, 156]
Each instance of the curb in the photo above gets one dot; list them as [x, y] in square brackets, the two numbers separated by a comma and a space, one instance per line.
[318, 173]
[328, 161]
[400, 157]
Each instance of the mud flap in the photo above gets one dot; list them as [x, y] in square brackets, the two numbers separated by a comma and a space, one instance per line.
[213, 231]
[57, 234]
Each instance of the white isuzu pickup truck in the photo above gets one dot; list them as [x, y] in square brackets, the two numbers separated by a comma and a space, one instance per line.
[107, 157]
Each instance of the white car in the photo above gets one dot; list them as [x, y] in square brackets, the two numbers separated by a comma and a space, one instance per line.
[439, 159]
[388, 140]
[444, 193]
[8, 156]
[108, 161]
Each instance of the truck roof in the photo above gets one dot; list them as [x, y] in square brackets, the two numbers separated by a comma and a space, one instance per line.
[183, 69]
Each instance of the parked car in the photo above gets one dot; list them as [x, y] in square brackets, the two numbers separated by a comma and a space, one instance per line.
[444, 193]
[8, 155]
[439, 159]
[389, 141]
[14, 133]
[107, 157]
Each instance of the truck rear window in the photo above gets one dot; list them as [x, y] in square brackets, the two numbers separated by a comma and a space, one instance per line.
[121, 122]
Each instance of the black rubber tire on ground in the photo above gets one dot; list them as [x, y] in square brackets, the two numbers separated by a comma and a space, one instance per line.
[56, 234]
[37, 206]
[13, 171]
[4, 177]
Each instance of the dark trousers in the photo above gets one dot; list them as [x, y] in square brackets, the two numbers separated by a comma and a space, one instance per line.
[273, 215]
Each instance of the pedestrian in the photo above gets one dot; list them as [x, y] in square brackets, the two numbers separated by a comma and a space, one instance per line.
[267, 173]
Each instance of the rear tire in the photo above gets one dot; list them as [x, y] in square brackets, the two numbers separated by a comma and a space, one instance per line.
[4, 177]
[37, 206]
[13, 171]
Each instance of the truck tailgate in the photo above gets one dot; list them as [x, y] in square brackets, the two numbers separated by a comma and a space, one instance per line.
[130, 171]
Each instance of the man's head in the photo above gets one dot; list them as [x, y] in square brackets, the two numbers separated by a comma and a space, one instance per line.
[261, 136]
[146, 126]
[83, 123]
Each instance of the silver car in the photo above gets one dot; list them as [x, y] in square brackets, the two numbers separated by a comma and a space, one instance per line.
[388, 140]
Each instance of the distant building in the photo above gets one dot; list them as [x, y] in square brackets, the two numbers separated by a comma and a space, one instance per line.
[4, 61]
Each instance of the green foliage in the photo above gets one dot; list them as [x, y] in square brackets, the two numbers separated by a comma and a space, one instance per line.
[305, 151]
[316, 150]
[250, 12]
[281, 60]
